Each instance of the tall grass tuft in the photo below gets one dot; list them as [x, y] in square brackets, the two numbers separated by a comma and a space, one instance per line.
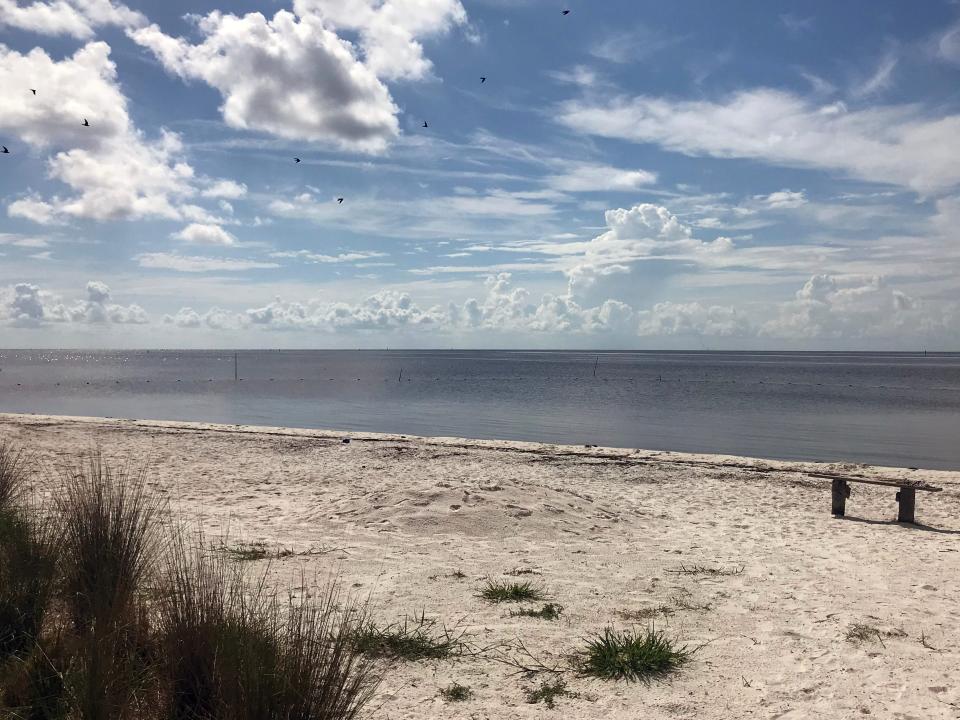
[110, 543]
[230, 650]
[28, 560]
[13, 472]
[631, 655]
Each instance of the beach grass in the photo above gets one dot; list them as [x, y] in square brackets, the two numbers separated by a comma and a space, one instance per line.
[412, 639]
[550, 611]
[455, 692]
[632, 655]
[107, 613]
[500, 591]
[548, 692]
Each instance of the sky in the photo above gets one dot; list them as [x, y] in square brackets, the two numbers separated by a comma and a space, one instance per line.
[634, 174]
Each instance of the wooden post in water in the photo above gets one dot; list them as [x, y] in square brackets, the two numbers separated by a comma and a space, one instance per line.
[907, 499]
[401, 375]
[597, 362]
[236, 372]
[841, 491]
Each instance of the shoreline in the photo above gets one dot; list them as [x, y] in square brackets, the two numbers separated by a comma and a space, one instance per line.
[623, 453]
[737, 557]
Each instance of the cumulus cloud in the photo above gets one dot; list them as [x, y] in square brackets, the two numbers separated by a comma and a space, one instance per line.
[27, 305]
[213, 319]
[76, 18]
[112, 169]
[294, 77]
[385, 310]
[389, 29]
[203, 234]
[693, 319]
[848, 307]
[899, 144]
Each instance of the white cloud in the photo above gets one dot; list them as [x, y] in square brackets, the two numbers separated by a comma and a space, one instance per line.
[213, 319]
[311, 257]
[113, 170]
[389, 29]
[27, 305]
[902, 144]
[586, 177]
[671, 319]
[77, 18]
[292, 77]
[881, 79]
[227, 189]
[23, 241]
[949, 45]
[849, 307]
[202, 234]
[196, 264]
[783, 199]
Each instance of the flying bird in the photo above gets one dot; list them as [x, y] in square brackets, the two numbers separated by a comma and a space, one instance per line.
[296, 160]
[33, 91]
[86, 123]
[482, 80]
[5, 151]
[564, 12]
[425, 124]
[340, 200]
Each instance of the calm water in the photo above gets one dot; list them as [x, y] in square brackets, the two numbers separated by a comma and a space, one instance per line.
[890, 409]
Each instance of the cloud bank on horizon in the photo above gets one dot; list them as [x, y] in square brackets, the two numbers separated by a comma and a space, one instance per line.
[334, 173]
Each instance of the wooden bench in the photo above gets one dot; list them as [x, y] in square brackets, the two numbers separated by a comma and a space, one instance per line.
[906, 497]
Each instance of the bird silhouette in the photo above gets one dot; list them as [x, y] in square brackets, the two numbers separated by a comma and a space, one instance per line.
[5, 151]
[564, 12]
[482, 80]
[86, 123]
[425, 124]
[340, 201]
[33, 91]
[296, 160]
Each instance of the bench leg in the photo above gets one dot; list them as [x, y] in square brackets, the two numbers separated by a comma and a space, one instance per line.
[907, 498]
[841, 491]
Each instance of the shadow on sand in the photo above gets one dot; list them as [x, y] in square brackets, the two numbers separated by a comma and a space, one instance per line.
[905, 526]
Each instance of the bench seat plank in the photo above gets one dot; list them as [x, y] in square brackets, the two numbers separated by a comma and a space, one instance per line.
[909, 484]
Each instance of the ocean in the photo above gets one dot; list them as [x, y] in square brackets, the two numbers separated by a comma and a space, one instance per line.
[894, 409]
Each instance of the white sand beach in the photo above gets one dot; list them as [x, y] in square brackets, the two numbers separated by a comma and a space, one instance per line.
[607, 533]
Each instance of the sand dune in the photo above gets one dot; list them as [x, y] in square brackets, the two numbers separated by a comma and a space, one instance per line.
[607, 533]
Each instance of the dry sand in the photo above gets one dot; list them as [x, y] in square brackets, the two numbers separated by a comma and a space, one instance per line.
[603, 530]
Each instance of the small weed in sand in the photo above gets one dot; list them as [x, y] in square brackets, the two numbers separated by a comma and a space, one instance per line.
[416, 638]
[631, 655]
[550, 611]
[646, 613]
[862, 632]
[248, 552]
[548, 693]
[498, 591]
[456, 693]
[457, 574]
[704, 570]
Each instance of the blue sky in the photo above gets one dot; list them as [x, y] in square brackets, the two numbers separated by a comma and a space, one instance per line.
[631, 175]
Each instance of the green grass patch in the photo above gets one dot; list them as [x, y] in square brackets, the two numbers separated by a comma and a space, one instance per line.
[456, 692]
[499, 591]
[550, 611]
[415, 638]
[548, 693]
[631, 655]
